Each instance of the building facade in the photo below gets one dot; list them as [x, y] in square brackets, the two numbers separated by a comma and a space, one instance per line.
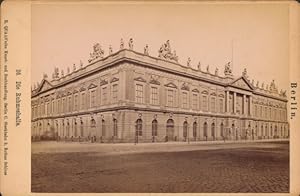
[129, 96]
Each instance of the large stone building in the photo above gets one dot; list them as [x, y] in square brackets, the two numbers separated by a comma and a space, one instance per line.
[129, 96]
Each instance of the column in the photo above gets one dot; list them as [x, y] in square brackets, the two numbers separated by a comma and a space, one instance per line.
[250, 105]
[244, 105]
[234, 102]
[227, 101]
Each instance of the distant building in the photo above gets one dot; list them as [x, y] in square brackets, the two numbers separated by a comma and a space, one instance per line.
[130, 96]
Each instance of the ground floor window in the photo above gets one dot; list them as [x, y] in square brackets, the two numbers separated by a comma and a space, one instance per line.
[139, 127]
[185, 129]
[115, 122]
[154, 127]
[194, 129]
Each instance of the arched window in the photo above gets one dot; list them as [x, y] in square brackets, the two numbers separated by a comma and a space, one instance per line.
[266, 131]
[103, 128]
[68, 129]
[93, 123]
[75, 129]
[154, 127]
[185, 129]
[170, 129]
[195, 129]
[205, 129]
[115, 123]
[213, 134]
[271, 131]
[81, 129]
[139, 127]
[222, 130]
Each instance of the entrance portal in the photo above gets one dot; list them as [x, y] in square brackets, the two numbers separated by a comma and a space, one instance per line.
[170, 130]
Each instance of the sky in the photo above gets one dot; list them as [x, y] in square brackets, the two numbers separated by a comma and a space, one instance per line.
[256, 36]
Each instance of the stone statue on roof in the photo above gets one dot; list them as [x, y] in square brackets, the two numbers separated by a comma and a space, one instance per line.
[199, 66]
[257, 83]
[146, 50]
[98, 52]
[245, 73]
[55, 74]
[217, 72]
[188, 63]
[228, 70]
[62, 73]
[273, 87]
[121, 44]
[263, 85]
[252, 82]
[45, 76]
[81, 64]
[165, 52]
[110, 49]
[130, 44]
[68, 70]
[74, 67]
[207, 69]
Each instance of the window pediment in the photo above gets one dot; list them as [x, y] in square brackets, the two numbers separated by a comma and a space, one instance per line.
[140, 79]
[195, 90]
[92, 86]
[114, 79]
[171, 85]
[103, 82]
[204, 92]
[153, 81]
[82, 89]
[185, 87]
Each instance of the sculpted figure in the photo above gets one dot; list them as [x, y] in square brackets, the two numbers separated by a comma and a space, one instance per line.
[110, 50]
[188, 63]
[228, 71]
[257, 83]
[207, 68]
[68, 70]
[130, 44]
[252, 82]
[81, 64]
[98, 52]
[199, 66]
[267, 87]
[74, 67]
[165, 52]
[45, 76]
[217, 72]
[263, 85]
[62, 73]
[146, 50]
[121, 44]
[245, 73]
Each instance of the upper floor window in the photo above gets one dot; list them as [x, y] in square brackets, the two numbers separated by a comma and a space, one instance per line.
[154, 95]
[221, 104]
[170, 97]
[139, 93]
[213, 104]
[104, 95]
[204, 103]
[70, 104]
[93, 98]
[83, 101]
[76, 102]
[115, 93]
[195, 101]
[184, 99]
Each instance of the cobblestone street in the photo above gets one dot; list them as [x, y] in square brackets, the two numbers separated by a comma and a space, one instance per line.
[177, 167]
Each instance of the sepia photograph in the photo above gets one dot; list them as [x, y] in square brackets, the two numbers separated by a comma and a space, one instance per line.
[160, 97]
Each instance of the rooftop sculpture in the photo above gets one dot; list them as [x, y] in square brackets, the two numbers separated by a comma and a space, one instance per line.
[98, 52]
[165, 52]
[228, 69]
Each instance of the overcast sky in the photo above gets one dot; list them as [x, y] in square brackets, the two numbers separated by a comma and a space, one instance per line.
[63, 34]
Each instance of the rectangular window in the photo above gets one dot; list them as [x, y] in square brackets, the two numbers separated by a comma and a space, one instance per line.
[260, 112]
[115, 93]
[58, 106]
[154, 95]
[139, 98]
[213, 104]
[221, 104]
[76, 102]
[93, 98]
[195, 101]
[170, 97]
[204, 103]
[184, 100]
[82, 101]
[70, 104]
[104, 95]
